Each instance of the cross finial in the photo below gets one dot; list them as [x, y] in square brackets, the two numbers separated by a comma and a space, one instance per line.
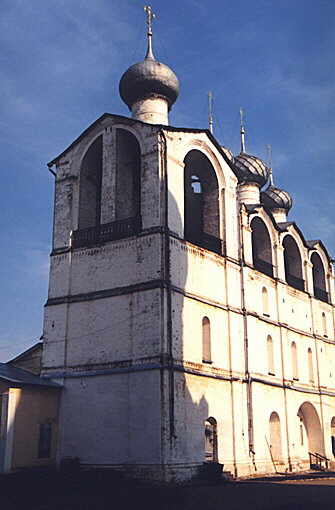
[150, 17]
[269, 151]
[242, 131]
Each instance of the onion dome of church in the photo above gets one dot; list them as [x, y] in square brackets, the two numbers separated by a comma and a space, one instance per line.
[251, 169]
[149, 78]
[276, 198]
[146, 79]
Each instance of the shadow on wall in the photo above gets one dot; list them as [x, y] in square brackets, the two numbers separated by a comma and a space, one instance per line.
[192, 438]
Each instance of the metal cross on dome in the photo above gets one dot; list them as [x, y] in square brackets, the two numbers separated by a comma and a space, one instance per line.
[150, 16]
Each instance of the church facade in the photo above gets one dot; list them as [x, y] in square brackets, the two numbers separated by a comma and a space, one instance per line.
[188, 321]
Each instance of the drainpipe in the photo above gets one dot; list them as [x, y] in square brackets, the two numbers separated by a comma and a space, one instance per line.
[282, 364]
[246, 345]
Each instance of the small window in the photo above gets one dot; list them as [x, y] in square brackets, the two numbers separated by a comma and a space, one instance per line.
[269, 344]
[310, 366]
[294, 361]
[324, 324]
[206, 341]
[265, 302]
[44, 441]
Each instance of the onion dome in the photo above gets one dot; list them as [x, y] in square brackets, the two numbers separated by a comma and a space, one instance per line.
[276, 198]
[149, 78]
[251, 169]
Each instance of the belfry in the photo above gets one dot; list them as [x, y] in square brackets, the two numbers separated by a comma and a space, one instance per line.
[189, 325]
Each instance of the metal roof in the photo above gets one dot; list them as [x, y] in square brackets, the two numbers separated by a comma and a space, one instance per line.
[21, 377]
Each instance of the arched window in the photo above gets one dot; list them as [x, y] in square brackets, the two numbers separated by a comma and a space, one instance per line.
[211, 441]
[206, 341]
[293, 265]
[265, 302]
[128, 175]
[294, 356]
[261, 247]
[275, 437]
[324, 324]
[319, 280]
[310, 366]
[332, 427]
[201, 202]
[271, 364]
[90, 186]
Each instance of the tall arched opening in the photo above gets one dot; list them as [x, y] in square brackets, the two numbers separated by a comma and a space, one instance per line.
[275, 438]
[319, 279]
[293, 264]
[128, 175]
[201, 202]
[261, 247]
[90, 186]
[311, 423]
[211, 440]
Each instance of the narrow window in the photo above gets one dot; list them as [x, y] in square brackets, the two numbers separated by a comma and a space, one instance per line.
[265, 302]
[206, 341]
[324, 324]
[44, 440]
[294, 361]
[310, 366]
[261, 247]
[269, 345]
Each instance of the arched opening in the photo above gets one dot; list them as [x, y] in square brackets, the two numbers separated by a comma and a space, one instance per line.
[128, 175]
[271, 364]
[206, 341]
[275, 438]
[261, 247]
[324, 325]
[201, 202]
[265, 302]
[90, 186]
[294, 359]
[309, 418]
[293, 264]
[211, 440]
[310, 366]
[319, 279]
[332, 432]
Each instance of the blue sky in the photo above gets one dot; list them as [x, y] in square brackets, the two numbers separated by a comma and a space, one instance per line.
[61, 61]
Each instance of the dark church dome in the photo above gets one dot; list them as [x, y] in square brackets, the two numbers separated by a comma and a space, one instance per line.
[276, 198]
[251, 169]
[149, 78]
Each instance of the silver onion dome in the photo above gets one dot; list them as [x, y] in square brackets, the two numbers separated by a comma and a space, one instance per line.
[251, 169]
[276, 198]
[149, 78]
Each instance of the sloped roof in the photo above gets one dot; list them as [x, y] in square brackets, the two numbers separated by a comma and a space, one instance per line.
[30, 350]
[21, 377]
